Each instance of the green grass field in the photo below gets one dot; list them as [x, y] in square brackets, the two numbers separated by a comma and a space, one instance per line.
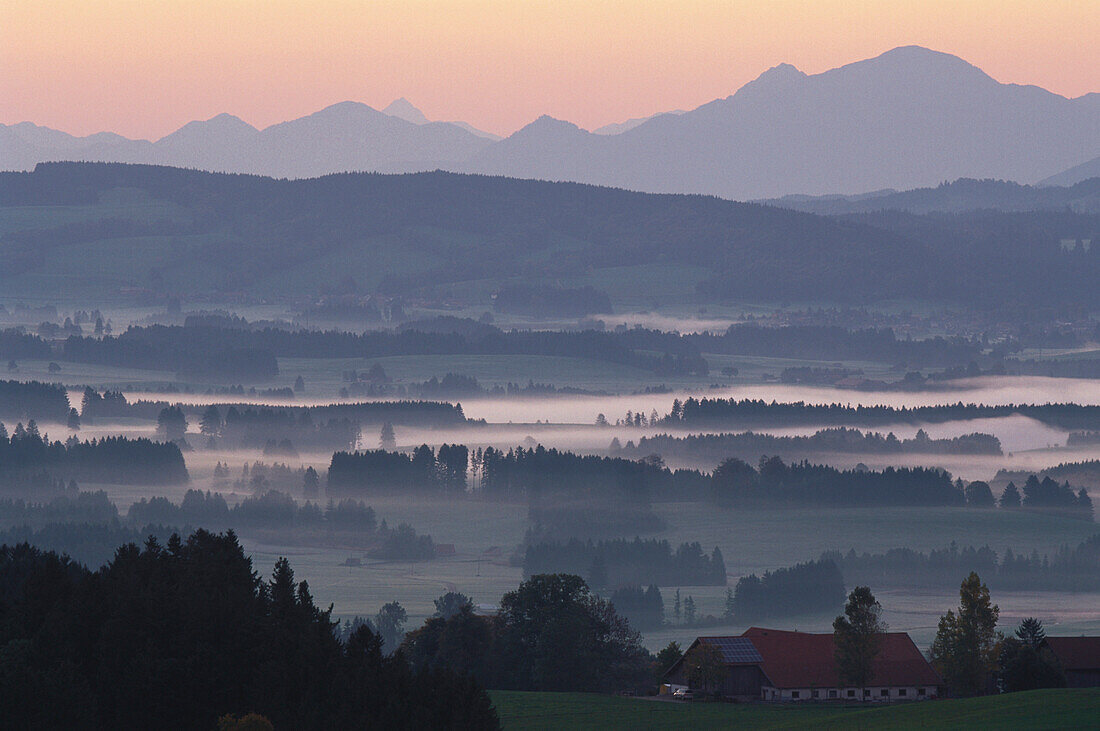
[1043, 709]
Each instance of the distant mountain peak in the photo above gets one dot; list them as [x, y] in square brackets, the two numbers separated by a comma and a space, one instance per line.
[781, 71]
[918, 60]
[347, 109]
[223, 126]
[616, 128]
[227, 120]
[402, 108]
[545, 121]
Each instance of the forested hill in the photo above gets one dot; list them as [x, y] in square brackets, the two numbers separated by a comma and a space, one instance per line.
[174, 231]
[956, 197]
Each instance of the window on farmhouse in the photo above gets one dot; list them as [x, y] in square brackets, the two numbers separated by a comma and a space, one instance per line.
[884, 692]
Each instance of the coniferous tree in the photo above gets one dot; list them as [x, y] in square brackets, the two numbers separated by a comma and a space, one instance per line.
[171, 423]
[1084, 504]
[1025, 664]
[387, 440]
[211, 422]
[311, 483]
[1010, 498]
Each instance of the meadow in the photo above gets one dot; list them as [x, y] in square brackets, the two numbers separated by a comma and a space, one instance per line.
[1040, 709]
[485, 534]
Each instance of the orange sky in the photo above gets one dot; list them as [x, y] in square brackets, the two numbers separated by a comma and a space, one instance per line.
[145, 67]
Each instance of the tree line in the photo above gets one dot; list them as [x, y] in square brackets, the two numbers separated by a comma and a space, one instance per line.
[697, 413]
[248, 354]
[68, 507]
[264, 422]
[735, 482]
[1048, 496]
[348, 521]
[813, 587]
[552, 481]
[187, 631]
[424, 470]
[22, 401]
[199, 352]
[1069, 569]
[254, 427]
[616, 562]
[451, 386]
[835, 343]
[839, 440]
[116, 460]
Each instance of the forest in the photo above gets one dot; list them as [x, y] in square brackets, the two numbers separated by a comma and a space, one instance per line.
[718, 412]
[614, 563]
[829, 343]
[234, 354]
[736, 482]
[99, 648]
[249, 229]
[425, 470]
[1072, 569]
[25, 400]
[552, 481]
[808, 588]
[840, 440]
[116, 460]
[248, 424]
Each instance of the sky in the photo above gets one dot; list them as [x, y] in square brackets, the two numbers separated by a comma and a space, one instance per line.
[143, 68]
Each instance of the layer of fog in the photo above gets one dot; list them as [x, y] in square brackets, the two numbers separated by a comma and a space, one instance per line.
[568, 409]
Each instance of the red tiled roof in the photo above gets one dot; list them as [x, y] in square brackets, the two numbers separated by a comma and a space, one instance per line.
[804, 660]
[1076, 653]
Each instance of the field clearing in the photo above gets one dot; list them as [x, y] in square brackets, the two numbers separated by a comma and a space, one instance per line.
[1040, 709]
[751, 541]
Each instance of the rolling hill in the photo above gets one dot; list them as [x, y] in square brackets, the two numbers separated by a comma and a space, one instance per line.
[104, 229]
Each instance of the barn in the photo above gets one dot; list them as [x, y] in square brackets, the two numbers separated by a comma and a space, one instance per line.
[743, 677]
[781, 665]
[1080, 659]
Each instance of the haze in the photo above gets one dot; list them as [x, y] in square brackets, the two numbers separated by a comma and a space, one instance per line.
[144, 69]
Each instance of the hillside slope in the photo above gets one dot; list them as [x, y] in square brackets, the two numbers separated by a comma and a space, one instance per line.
[99, 229]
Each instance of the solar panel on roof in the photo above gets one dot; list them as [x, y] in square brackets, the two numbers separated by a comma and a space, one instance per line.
[735, 649]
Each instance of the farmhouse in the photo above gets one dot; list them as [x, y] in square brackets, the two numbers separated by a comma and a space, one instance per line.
[779, 665]
[1080, 659]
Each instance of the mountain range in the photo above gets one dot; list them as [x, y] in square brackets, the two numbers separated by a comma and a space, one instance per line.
[908, 118]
